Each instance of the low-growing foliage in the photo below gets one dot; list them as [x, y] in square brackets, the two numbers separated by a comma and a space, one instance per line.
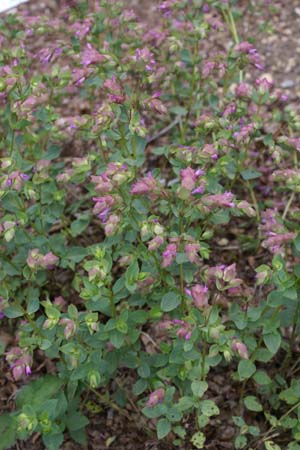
[168, 247]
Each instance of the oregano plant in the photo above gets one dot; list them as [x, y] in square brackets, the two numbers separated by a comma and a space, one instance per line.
[149, 226]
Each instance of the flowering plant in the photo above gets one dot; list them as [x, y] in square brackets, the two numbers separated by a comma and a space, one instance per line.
[162, 247]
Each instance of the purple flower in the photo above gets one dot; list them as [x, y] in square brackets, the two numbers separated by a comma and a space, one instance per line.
[146, 185]
[188, 178]
[242, 90]
[240, 348]
[191, 251]
[169, 255]
[49, 261]
[219, 200]
[91, 56]
[156, 397]
[200, 295]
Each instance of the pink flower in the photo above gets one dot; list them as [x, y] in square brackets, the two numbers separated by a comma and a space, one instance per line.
[275, 241]
[188, 178]
[169, 255]
[34, 258]
[155, 243]
[144, 54]
[207, 68]
[91, 56]
[20, 362]
[146, 185]
[103, 183]
[49, 261]
[69, 327]
[242, 90]
[264, 84]
[191, 251]
[184, 331]
[248, 49]
[116, 94]
[102, 206]
[200, 295]
[240, 348]
[247, 208]
[219, 200]
[230, 109]
[111, 224]
[156, 397]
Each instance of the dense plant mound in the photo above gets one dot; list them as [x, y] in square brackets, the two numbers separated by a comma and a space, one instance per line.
[152, 234]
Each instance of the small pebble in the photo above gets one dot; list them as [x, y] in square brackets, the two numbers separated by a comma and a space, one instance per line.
[287, 84]
[297, 11]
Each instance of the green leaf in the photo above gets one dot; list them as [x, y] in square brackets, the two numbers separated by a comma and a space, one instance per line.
[270, 445]
[173, 415]
[240, 442]
[199, 387]
[139, 387]
[7, 431]
[291, 395]
[76, 254]
[144, 370]
[185, 403]
[198, 440]
[76, 420]
[80, 224]
[263, 355]
[163, 428]
[209, 408]
[179, 110]
[53, 152]
[221, 217]
[79, 436]
[250, 174]
[38, 391]
[33, 305]
[13, 311]
[293, 446]
[170, 301]
[202, 420]
[53, 441]
[262, 378]
[246, 369]
[154, 411]
[252, 403]
[272, 341]
[238, 421]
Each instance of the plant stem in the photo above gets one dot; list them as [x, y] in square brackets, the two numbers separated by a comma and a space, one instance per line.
[112, 304]
[232, 27]
[287, 207]
[255, 203]
[181, 273]
[291, 199]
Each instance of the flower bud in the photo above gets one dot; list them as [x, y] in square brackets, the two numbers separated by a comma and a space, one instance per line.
[155, 243]
[70, 327]
[145, 230]
[111, 225]
[25, 422]
[240, 348]
[91, 321]
[94, 378]
[227, 355]
[158, 229]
